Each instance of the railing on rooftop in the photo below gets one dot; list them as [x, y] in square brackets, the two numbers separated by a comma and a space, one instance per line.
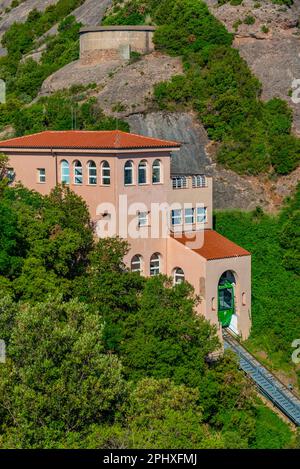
[183, 182]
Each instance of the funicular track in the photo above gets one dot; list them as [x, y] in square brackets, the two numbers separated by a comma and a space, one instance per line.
[273, 389]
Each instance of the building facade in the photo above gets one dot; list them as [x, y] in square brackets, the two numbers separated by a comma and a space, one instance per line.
[166, 218]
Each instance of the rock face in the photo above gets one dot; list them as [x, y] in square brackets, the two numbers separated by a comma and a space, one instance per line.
[272, 53]
[182, 127]
[230, 190]
[90, 13]
[20, 13]
[276, 62]
[76, 73]
[277, 18]
[124, 88]
[130, 89]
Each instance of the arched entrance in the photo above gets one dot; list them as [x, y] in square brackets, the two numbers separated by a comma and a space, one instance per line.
[226, 301]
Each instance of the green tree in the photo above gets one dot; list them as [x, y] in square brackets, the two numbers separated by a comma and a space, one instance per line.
[158, 414]
[57, 378]
[164, 338]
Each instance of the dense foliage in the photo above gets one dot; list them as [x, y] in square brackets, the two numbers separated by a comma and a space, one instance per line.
[24, 76]
[274, 244]
[63, 110]
[98, 356]
[255, 136]
[290, 233]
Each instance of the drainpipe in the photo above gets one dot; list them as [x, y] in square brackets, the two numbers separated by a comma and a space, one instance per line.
[54, 155]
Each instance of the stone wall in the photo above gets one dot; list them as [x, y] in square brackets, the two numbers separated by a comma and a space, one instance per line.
[110, 42]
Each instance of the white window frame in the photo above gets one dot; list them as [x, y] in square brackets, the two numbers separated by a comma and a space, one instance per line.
[179, 182]
[201, 218]
[92, 173]
[155, 264]
[189, 218]
[41, 175]
[77, 173]
[129, 169]
[143, 165]
[199, 180]
[178, 277]
[176, 217]
[65, 172]
[156, 166]
[143, 218]
[136, 263]
[105, 173]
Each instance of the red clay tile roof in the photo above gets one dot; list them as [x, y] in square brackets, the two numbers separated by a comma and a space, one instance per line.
[112, 139]
[216, 246]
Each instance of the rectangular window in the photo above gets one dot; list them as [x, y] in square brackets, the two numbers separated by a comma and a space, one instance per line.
[179, 182]
[92, 176]
[142, 218]
[78, 175]
[177, 217]
[41, 175]
[10, 174]
[201, 214]
[189, 216]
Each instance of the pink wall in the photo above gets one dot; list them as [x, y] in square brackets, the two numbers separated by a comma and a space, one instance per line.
[202, 274]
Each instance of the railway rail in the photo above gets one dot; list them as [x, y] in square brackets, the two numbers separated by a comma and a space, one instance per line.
[268, 385]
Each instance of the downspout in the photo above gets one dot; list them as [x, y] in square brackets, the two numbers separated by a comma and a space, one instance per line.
[54, 155]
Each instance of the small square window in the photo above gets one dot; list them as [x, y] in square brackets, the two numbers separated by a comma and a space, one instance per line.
[189, 216]
[177, 217]
[142, 218]
[41, 175]
[201, 214]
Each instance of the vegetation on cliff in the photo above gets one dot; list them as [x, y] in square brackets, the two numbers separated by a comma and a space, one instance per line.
[254, 136]
[274, 242]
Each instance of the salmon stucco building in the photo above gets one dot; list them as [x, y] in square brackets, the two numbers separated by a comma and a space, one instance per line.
[132, 191]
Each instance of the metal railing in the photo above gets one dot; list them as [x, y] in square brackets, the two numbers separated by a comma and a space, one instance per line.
[267, 383]
[194, 181]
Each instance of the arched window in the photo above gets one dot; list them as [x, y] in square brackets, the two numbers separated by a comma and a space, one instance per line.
[142, 176]
[65, 172]
[78, 178]
[155, 264]
[178, 276]
[128, 173]
[92, 172]
[105, 173]
[136, 263]
[199, 181]
[156, 172]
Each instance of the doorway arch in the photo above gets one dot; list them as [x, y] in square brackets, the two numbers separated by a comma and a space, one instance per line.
[226, 300]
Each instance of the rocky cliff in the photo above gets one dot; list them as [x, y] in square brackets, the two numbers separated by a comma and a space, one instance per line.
[124, 89]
